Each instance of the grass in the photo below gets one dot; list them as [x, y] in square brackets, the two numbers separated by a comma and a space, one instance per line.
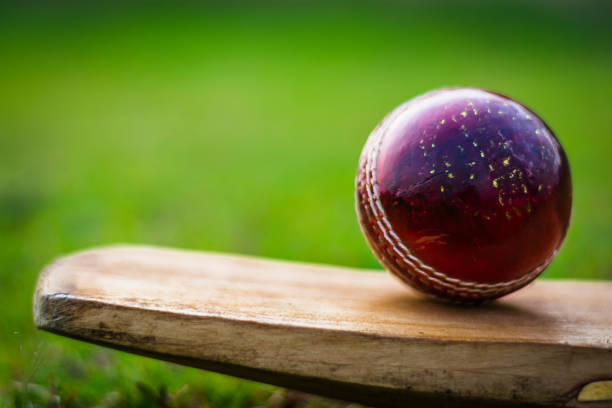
[237, 128]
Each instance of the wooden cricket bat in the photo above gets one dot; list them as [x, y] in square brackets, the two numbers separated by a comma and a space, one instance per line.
[340, 332]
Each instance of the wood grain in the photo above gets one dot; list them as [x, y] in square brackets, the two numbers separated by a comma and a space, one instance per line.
[346, 333]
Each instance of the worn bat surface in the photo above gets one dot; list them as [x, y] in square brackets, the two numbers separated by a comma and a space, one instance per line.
[346, 333]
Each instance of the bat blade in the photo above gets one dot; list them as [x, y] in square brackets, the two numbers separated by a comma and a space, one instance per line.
[341, 332]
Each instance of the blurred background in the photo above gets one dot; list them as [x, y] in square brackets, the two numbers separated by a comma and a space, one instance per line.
[237, 127]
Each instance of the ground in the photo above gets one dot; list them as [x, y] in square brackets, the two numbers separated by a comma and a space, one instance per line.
[237, 128]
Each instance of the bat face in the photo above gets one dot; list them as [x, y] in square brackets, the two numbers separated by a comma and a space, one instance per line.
[464, 194]
[341, 332]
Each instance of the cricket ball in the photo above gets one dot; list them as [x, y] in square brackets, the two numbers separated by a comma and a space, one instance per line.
[464, 194]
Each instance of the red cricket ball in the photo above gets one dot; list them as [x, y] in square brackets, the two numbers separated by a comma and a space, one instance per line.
[464, 194]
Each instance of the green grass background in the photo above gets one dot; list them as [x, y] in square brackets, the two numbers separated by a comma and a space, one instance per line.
[237, 128]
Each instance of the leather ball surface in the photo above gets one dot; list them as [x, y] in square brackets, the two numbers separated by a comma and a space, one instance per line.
[464, 194]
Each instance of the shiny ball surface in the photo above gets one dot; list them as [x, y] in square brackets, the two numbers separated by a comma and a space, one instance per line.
[464, 194]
